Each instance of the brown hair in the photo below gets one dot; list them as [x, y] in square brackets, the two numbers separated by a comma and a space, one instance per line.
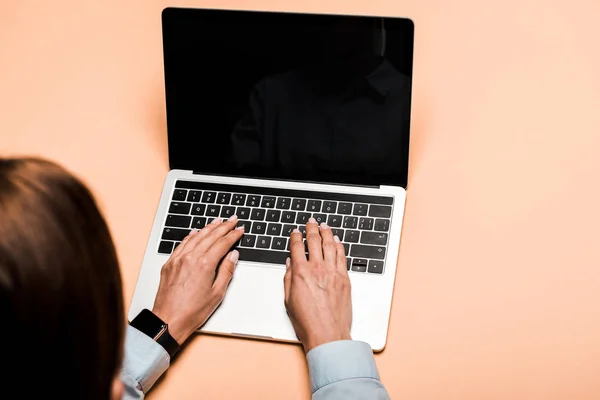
[61, 301]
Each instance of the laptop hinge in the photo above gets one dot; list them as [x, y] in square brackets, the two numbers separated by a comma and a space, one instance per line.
[291, 180]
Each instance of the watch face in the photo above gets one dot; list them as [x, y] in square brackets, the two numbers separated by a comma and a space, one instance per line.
[149, 324]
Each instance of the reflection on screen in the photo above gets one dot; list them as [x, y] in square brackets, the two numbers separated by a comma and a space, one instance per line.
[317, 98]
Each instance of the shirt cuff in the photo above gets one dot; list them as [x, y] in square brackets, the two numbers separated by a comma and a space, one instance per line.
[145, 360]
[340, 360]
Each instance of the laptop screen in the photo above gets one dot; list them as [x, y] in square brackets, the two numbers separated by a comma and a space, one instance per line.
[305, 97]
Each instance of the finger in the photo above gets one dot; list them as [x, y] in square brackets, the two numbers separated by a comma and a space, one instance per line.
[329, 246]
[341, 256]
[198, 237]
[222, 229]
[224, 244]
[226, 269]
[297, 252]
[313, 238]
[184, 243]
[287, 279]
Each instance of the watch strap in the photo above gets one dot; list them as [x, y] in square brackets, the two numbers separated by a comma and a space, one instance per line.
[168, 343]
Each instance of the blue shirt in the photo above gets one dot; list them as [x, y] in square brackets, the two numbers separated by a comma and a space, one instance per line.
[338, 370]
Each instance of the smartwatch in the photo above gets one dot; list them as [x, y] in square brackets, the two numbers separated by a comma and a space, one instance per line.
[156, 329]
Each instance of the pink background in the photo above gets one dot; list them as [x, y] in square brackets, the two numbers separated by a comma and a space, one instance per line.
[498, 287]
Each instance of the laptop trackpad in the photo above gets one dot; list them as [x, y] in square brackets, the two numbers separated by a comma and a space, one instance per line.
[253, 305]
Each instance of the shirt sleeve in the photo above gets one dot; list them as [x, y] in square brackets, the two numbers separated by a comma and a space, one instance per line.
[145, 361]
[346, 370]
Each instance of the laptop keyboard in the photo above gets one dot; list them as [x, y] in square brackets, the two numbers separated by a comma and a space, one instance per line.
[269, 215]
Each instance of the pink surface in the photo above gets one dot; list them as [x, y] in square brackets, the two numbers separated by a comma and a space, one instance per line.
[498, 287]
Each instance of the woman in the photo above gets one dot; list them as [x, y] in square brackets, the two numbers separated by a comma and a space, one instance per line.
[61, 304]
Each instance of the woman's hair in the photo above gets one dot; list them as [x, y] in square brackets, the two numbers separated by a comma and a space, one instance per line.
[61, 301]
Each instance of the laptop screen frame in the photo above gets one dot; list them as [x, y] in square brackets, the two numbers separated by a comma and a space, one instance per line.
[171, 15]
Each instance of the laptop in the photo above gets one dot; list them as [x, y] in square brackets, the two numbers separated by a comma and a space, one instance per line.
[278, 117]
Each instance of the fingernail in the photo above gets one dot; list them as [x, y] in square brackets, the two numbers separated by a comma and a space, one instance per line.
[194, 230]
[296, 230]
[216, 221]
[287, 262]
[336, 239]
[324, 225]
[312, 220]
[234, 257]
[233, 218]
[240, 228]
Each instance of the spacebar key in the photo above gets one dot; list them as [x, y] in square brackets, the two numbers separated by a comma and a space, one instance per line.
[358, 250]
[271, 257]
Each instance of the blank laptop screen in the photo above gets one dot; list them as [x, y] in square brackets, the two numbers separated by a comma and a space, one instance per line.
[288, 96]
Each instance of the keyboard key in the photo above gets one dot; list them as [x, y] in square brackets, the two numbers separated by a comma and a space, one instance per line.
[209, 220]
[283, 203]
[258, 214]
[259, 227]
[335, 221]
[279, 243]
[175, 234]
[247, 225]
[374, 238]
[380, 211]
[175, 245]
[178, 221]
[375, 267]
[274, 229]
[359, 265]
[198, 222]
[365, 224]
[263, 242]
[348, 263]
[238, 199]
[345, 208]
[179, 194]
[298, 204]
[209, 197]
[287, 230]
[253, 201]
[302, 229]
[180, 208]
[227, 211]
[288, 217]
[350, 222]
[268, 202]
[313, 206]
[360, 209]
[260, 255]
[223, 198]
[194, 196]
[198, 209]
[320, 218]
[329, 207]
[302, 218]
[359, 250]
[346, 248]
[352, 236]
[243, 213]
[248, 240]
[338, 232]
[382, 225]
[165, 247]
[273, 215]
[213, 210]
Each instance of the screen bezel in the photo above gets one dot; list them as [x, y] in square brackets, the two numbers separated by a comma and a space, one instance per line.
[170, 17]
